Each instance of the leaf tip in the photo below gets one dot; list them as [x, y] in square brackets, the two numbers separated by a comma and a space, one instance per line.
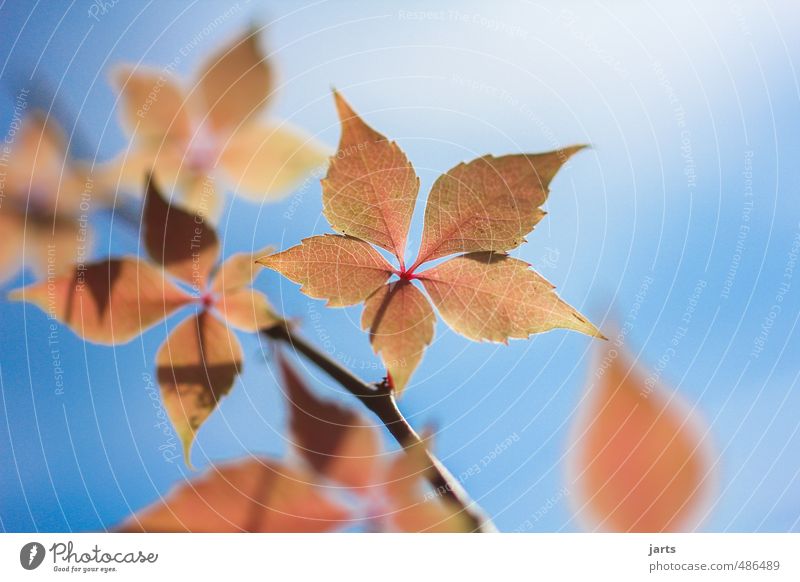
[16, 294]
[343, 107]
[187, 439]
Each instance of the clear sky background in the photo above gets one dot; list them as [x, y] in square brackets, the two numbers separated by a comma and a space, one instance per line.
[679, 101]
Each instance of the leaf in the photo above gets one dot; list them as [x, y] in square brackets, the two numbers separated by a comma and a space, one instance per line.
[38, 176]
[12, 226]
[488, 204]
[182, 242]
[267, 162]
[371, 187]
[254, 495]
[487, 296]
[236, 83]
[412, 509]
[343, 270]
[54, 245]
[640, 461]
[237, 271]
[196, 366]
[153, 106]
[336, 442]
[400, 321]
[108, 302]
[247, 309]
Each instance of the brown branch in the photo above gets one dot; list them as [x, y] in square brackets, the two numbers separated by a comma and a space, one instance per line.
[378, 398]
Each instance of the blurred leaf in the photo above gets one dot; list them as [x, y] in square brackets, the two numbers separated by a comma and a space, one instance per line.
[371, 187]
[108, 302]
[11, 250]
[266, 162]
[487, 296]
[488, 204]
[181, 241]
[400, 321]
[153, 107]
[255, 495]
[235, 83]
[412, 510]
[639, 459]
[196, 366]
[237, 271]
[337, 443]
[193, 142]
[341, 269]
[247, 309]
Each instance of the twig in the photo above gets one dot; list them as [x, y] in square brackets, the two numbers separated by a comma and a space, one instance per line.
[379, 399]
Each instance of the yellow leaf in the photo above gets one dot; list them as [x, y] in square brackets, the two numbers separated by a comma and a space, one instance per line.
[196, 366]
[246, 309]
[267, 162]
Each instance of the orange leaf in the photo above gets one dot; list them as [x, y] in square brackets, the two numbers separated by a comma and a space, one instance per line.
[400, 321]
[488, 204]
[12, 225]
[246, 309]
[336, 442]
[255, 495]
[153, 106]
[371, 187]
[487, 296]
[182, 242]
[196, 367]
[235, 83]
[53, 244]
[639, 460]
[343, 270]
[109, 302]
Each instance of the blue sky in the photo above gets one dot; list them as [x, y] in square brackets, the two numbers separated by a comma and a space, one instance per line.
[687, 108]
